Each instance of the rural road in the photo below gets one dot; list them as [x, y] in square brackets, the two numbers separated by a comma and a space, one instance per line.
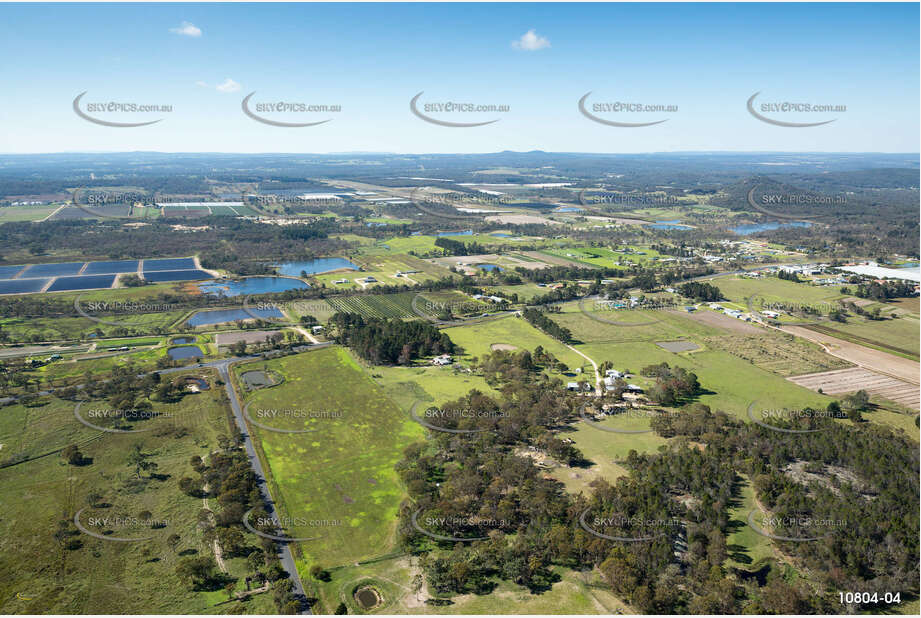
[287, 558]
[223, 369]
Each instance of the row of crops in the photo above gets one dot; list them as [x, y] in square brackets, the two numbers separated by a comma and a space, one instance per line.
[382, 306]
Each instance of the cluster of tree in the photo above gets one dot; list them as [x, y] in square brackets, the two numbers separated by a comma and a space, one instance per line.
[788, 276]
[229, 478]
[456, 247]
[882, 291]
[673, 384]
[389, 342]
[539, 318]
[704, 292]
[862, 517]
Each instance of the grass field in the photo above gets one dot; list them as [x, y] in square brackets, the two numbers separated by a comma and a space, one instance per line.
[476, 339]
[342, 472]
[103, 577]
[746, 548]
[384, 269]
[25, 213]
[898, 336]
[604, 449]
[771, 289]
[575, 593]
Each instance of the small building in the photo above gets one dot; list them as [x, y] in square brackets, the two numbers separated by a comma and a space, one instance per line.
[690, 308]
[572, 386]
[444, 359]
[316, 329]
[770, 314]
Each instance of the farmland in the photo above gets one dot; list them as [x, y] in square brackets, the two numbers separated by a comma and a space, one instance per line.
[94, 575]
[322, 475]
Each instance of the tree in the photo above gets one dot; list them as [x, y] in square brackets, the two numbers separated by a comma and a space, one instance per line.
[73, 455]
[341, 609]
[172, 541]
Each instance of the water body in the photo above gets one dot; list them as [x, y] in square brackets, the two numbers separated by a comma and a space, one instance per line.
[251, 285]
[754, 228]
[489, 267]
[220, 316]
[669, 225]
[183, 340]
[185, 351]
[464, 233]
[569, 209]
[312, 267]
[501, 235]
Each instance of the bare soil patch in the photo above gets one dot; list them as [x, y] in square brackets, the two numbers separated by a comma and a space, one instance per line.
[857, 378]
[720, 320]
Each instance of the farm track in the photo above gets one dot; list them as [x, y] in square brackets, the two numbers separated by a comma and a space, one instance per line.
[825, 330]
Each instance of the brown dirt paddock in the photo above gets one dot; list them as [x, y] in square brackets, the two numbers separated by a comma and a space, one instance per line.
[857, 378]
[721, 320]
[503, 346]
[249, 336]
[874, 360]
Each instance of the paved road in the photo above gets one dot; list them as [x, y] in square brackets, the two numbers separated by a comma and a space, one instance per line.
[223, 369]
[287, 558]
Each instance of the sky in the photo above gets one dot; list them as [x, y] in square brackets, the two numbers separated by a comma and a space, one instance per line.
[699, 63]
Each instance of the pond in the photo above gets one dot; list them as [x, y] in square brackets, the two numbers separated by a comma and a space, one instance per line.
[220, 316]
[464, 233]
[256, 379]
[489, 267]
[251, 285]
[312, 267]
[183, 340]
[569, 209]
[200, 383]
[669, 225]
[367, 597]
[500, 235]
[754, 228]
[184, 352]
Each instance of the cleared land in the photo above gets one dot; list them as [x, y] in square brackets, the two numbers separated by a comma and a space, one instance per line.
[858, 378]
[98, 576]
[876, 360]
[324, 476]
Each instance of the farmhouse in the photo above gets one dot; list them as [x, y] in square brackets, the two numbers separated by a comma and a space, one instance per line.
[444, 359]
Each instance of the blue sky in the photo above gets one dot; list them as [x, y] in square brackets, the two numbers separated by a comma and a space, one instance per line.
[371, 59]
